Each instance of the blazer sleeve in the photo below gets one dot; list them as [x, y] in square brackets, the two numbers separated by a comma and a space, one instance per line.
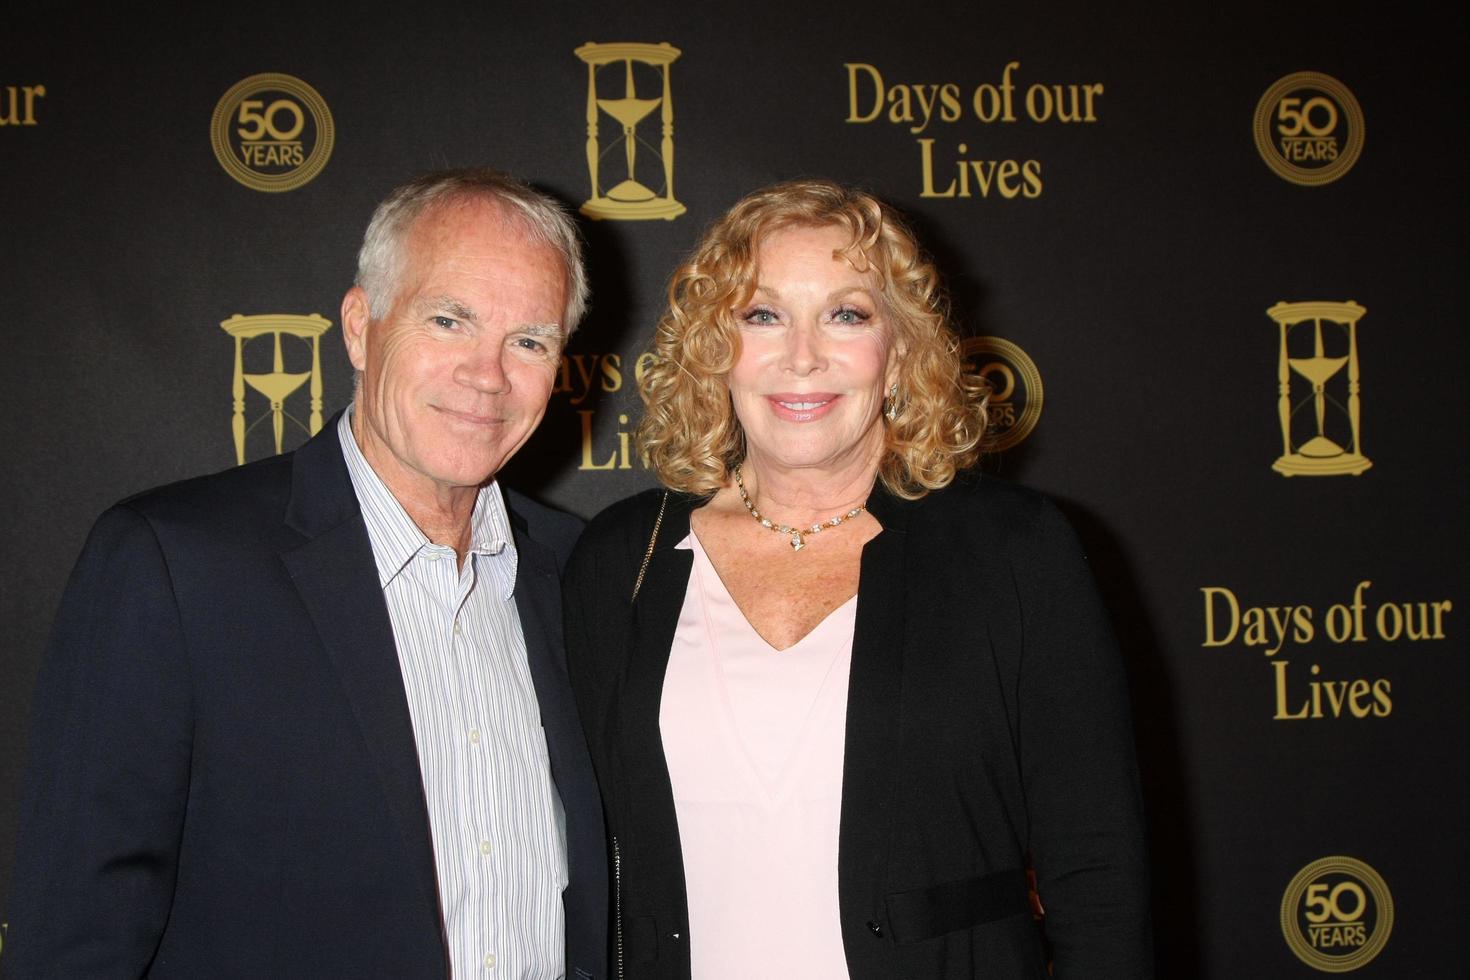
[1078, 766]
[108, 772]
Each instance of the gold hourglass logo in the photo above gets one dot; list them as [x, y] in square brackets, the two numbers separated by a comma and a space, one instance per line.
[1320, 432]
[277, 384]
[630, 199]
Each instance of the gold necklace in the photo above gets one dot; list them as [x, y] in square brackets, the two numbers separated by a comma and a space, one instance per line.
[798, 535]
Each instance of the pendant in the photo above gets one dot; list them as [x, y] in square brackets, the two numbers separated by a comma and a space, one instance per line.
[796, 541]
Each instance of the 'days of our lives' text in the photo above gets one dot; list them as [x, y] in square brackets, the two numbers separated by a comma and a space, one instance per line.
[1273, 628]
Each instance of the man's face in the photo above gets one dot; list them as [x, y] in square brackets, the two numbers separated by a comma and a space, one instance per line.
[456, 375]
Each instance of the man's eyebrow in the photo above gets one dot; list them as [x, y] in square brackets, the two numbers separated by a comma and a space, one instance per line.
[453, 307]
[541, 329]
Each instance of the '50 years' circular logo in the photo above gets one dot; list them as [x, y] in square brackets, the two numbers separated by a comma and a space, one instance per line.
[1309, 128]
[1336, 914]
[1015, 389]
[272, 132]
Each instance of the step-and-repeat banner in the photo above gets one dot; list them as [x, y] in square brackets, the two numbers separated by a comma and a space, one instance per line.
[1211, 265]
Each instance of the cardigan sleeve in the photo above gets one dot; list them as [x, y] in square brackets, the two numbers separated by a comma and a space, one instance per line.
[597, 607]
[1078, 767]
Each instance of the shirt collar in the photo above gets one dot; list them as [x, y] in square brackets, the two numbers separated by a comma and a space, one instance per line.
[396, 539]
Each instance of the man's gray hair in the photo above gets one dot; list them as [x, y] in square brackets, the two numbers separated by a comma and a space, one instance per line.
[380, 261]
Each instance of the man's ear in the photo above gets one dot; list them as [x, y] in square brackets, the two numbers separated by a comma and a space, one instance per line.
[356, 318]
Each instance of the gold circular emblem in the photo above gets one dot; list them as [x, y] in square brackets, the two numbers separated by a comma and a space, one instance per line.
[1015, 389]
[1309, 128]
[272, 132]
[1336, 914]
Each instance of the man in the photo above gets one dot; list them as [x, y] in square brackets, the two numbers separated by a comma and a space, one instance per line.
[310, 717]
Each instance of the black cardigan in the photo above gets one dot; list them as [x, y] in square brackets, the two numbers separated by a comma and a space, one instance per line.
[987, 723]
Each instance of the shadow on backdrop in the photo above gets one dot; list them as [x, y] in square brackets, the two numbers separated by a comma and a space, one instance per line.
[544, 461]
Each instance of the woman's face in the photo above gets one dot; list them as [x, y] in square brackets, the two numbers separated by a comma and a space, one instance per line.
[816, 356]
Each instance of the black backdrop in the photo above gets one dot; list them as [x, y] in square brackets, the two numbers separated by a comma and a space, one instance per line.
[1130, 255]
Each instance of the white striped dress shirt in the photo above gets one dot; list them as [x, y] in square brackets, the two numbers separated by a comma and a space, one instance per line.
[498, 830]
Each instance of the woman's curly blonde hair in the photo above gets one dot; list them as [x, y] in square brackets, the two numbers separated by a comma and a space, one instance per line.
[690, 436]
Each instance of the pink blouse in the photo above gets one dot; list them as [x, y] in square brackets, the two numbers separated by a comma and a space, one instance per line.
[754, 740]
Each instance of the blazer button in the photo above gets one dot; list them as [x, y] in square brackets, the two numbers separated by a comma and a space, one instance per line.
[875, 928]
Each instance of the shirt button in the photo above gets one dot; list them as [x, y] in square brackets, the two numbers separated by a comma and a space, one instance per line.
[456, 627]
[489, 961]
[484, 847]
[875, 929]
[474, 736]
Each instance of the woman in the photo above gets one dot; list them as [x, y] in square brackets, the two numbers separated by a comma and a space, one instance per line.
[839, 696]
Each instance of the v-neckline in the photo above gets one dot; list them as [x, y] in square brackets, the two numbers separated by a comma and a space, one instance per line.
[779, 786]
[703, 557]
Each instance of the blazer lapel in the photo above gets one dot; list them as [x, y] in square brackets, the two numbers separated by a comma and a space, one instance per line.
[538, 601]
[337, 580]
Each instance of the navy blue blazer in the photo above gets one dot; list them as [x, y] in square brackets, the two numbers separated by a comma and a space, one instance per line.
[222, 778]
